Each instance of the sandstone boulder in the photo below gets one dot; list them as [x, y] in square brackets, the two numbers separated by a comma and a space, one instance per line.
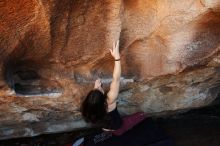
[51, 52]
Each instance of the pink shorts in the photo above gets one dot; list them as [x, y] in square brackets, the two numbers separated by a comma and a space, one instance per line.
[129, 122]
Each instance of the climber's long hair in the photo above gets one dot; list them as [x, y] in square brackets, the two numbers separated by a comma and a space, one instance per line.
[94, 107]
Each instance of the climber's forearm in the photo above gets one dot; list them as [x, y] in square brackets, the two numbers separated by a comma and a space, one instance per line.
[117, 72]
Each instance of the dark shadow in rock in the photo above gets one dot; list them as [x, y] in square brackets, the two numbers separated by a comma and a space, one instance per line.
[24, 79]
[28, 75]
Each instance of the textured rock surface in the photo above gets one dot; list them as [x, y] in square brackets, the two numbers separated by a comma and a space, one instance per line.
[198, 126]
[52, 51]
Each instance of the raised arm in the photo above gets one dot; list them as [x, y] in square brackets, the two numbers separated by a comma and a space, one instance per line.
[114, 87]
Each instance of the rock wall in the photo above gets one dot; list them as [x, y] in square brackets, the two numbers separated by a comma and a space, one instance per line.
[51, 52]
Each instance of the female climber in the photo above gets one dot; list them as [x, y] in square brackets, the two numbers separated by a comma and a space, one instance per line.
[100, 108]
